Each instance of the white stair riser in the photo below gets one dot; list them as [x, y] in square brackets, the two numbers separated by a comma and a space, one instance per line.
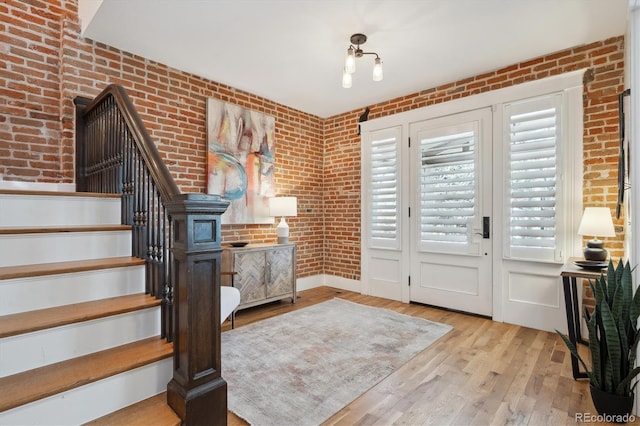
[29, 294]
[36, 186]
[62, 246]
[46, 210]
[94, 400]
[44, 347]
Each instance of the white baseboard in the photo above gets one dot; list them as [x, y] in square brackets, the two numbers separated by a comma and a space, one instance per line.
[307, 283]
[319, 280]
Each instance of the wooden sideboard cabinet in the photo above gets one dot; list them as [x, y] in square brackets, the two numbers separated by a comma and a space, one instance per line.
[264, 272]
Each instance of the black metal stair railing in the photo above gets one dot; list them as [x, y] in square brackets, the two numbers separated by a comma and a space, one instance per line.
[115, 154]
[178, 236]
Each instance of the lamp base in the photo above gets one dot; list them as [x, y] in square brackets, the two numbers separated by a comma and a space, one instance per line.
[595, 251]
[282, 231]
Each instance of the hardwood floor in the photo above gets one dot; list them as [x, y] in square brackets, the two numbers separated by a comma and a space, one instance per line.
[482, 372]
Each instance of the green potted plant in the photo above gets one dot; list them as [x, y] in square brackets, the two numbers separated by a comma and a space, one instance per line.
[613, 341]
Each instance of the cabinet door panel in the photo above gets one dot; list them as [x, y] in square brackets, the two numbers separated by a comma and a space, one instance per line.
[250, 267]
[280, 279]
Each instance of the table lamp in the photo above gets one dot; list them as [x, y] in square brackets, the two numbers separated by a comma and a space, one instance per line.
[596, 222]
[283, 206]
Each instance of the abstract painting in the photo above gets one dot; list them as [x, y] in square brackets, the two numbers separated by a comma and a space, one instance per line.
[240, 161]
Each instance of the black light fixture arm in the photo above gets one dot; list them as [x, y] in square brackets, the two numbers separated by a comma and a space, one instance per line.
[360, 53]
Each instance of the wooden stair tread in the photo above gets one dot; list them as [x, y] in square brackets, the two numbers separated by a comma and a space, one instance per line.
[42, 269]
[26, 322]
[49, 380]
[151, 411]
[58, 193]
[65, 228]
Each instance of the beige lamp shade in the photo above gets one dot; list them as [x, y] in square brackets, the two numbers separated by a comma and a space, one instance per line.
[283, 206]
[596, 222]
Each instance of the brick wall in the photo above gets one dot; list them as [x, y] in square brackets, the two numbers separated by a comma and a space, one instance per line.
[603, 82]
[30, 130]
[45, 64]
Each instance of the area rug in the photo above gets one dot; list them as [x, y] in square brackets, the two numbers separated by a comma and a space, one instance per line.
[302, 367]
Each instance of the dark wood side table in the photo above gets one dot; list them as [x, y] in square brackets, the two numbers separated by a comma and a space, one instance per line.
[570, 274]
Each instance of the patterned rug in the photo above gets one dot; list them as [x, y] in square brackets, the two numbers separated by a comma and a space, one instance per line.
[302, 367]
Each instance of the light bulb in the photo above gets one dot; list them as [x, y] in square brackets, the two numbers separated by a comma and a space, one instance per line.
[350, 62]
[346, 79]
[377, 70]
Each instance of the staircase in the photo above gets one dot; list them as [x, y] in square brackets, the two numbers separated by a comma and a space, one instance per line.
[79, 338]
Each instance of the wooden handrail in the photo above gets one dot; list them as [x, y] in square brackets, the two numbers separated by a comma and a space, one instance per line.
[161, 175]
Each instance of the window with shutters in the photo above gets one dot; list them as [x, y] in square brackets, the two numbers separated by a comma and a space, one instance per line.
[448, 187]
[533, 130]
[384, 202]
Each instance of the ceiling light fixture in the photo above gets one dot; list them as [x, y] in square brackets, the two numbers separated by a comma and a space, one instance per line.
[350, 63]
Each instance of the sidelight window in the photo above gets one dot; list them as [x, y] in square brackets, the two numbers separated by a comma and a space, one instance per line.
[533, 129]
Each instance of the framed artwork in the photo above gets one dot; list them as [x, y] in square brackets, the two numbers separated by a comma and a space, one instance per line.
[240, 161]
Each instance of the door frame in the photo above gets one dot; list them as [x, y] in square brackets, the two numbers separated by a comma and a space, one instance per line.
[491, 99]
[473, 258]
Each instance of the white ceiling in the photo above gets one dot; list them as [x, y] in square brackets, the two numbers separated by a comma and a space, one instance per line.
[292, 51]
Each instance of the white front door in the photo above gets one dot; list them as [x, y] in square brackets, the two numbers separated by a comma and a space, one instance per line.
[450, 239]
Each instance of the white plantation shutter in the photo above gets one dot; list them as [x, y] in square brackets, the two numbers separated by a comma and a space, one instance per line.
[447, 187]
[533, 131]
[384, 215]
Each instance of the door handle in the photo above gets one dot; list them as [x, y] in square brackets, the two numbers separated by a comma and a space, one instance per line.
[486, 227]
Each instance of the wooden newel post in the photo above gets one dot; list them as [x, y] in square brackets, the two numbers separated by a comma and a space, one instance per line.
[197, 392]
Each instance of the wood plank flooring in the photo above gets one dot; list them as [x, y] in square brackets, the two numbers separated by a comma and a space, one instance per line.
[481, 373]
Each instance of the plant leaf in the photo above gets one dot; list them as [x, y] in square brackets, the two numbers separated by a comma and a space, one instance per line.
[599, 291]
[627, 291]
[597, 378]
[623, 388]
[574, 352]
[616, 302]
[614, 350]
[611, 281]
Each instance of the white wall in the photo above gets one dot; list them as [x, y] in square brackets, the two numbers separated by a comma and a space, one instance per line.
[633, 81]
